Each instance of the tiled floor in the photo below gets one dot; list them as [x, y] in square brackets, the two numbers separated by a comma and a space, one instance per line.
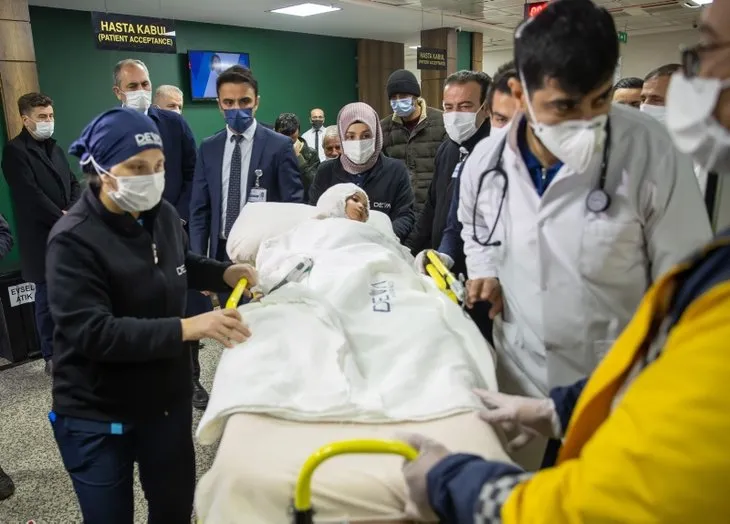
[29, 454]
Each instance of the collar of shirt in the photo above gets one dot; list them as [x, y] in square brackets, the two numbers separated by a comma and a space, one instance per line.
[247, 135]
[534, 167]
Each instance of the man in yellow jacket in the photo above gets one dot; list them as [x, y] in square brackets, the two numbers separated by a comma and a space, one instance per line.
[647, 438]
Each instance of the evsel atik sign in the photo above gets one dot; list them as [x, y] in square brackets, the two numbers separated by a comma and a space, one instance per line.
[21, 294]
[133, 33]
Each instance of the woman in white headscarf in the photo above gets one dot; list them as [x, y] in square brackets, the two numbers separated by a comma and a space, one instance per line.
[384, 181]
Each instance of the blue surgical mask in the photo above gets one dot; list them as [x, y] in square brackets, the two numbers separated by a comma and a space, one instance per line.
[403, 107]
[239, 119]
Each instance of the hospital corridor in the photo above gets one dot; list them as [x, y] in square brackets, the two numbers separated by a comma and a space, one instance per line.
[364, 262]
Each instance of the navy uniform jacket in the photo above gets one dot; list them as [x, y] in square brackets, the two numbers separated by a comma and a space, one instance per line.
[272, 153]
[180, 152]
[117, 289]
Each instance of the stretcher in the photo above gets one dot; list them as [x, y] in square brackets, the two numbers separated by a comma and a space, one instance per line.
[270, 470]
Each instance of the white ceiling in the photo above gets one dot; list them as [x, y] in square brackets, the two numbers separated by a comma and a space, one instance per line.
[390, 20]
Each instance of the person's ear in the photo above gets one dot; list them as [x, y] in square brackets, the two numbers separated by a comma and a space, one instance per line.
[118, 93]
[256, 105]
[519, 94]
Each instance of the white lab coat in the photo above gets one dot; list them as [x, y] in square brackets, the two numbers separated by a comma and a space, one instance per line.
[571, 279]
[308, 137]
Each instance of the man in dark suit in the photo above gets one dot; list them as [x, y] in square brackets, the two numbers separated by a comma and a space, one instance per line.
[243, 163]
[42, 188]
[133, 88]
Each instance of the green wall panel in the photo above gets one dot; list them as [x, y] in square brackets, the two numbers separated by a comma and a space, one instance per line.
[463, 50]
[296, 72]
[12, 261]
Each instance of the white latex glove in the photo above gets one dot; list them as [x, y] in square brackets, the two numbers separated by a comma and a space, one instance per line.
[430, 453]
[421, 261]
[526, 416]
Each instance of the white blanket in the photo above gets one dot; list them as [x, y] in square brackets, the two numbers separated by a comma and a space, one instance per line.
[363, 338]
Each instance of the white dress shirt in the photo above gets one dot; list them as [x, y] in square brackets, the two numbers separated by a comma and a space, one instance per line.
[246, 146]
[309, 136]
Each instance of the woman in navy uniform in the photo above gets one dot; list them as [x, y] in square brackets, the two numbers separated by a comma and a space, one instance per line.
[118, 269]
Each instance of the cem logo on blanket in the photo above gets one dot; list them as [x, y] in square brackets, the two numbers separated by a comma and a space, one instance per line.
[382, 294]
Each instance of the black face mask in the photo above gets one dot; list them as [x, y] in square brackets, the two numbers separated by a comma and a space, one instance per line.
[317, 124]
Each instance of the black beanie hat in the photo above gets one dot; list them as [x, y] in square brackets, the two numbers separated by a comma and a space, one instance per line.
[404, 82]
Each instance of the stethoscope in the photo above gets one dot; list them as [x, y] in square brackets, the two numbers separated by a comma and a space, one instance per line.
[597, 201]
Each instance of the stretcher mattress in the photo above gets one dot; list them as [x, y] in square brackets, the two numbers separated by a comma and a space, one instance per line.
[252, 478]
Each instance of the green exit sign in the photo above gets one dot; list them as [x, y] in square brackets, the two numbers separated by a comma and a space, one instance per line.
[623, 37]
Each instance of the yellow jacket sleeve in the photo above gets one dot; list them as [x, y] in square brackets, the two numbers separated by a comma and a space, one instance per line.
[663, 454]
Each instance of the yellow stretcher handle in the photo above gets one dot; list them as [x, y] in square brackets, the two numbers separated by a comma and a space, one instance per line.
[441, 282]
[303, 487]
[236, 294]
[434, 259]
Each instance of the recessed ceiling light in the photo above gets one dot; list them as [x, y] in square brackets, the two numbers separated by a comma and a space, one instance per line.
[307, 9]
[694, 4]
[413, 47]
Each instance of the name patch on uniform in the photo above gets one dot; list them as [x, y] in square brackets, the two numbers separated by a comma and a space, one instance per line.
[148, 139]
[181, 270]
[381, 205]
[382, 294]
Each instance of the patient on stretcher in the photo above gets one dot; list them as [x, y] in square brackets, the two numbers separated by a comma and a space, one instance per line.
[361, 347]
[361, 338]
[344, 201]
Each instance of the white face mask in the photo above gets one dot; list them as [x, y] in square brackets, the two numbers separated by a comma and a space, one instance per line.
[43, 130]
[460, 126]
[359, 151]
[139, 100]
[134, 194]
[690, 104]
[658, 112]
[574, 142]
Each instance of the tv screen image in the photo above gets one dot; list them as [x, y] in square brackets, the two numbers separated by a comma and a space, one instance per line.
[205, 66]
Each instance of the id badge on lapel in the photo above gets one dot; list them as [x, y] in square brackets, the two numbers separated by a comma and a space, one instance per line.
[257, 193]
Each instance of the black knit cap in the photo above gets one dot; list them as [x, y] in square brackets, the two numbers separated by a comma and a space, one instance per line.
[403, 82]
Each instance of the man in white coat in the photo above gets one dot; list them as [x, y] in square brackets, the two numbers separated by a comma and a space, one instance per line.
[573, 212]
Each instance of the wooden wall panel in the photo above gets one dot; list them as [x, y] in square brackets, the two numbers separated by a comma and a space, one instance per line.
[432, 82]
[376, 60]
[477, 51]
[18, 73]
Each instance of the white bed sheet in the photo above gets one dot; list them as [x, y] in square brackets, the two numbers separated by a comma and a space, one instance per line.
[363, 338]
[259, 458]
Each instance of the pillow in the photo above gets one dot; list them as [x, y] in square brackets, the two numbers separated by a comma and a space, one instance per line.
[260, 221]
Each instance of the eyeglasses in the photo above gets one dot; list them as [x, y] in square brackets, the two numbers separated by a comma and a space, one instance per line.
[691, 57]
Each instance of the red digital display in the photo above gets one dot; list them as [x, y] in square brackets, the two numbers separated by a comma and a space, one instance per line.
[535, 9]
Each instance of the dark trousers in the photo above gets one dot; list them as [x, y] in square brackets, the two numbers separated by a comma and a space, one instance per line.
[195, 359]
[101, 466]
[43, 320]
[480, 315]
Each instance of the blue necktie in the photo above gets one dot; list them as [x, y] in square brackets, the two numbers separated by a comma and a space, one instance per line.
[233, 206]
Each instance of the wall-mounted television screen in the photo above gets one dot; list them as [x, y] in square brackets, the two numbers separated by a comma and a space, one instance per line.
[205, 66]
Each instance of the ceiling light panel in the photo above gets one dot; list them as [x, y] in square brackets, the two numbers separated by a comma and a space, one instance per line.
[307, 9]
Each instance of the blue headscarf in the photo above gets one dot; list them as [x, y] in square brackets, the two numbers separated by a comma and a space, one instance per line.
[114, 136]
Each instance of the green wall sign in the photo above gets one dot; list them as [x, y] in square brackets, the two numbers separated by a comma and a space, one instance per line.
[623, 37]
